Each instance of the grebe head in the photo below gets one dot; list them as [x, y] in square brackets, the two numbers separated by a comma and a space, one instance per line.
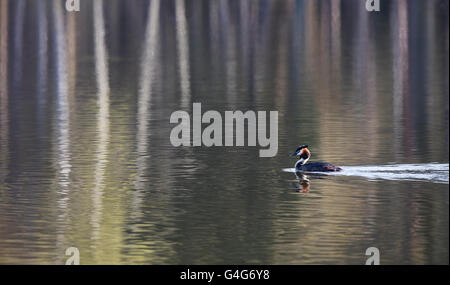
[302, 152]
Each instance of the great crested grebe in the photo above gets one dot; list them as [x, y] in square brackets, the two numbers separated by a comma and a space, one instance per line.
[304, 154]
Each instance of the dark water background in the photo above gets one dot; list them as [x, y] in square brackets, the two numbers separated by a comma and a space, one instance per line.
[86, 160]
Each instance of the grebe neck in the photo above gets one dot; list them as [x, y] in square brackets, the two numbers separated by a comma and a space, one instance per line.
[300, 162]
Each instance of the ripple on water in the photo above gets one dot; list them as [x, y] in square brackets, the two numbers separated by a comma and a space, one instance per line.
[431, 172]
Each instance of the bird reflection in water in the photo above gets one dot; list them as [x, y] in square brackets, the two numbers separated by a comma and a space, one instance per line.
[302, 185]
[303, 181]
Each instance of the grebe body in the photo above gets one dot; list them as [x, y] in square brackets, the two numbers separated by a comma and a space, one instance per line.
[318, 167]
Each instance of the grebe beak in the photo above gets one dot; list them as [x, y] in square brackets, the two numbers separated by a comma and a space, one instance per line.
[294, 154]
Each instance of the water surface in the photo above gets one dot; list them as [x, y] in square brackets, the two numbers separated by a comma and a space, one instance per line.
[86, 159]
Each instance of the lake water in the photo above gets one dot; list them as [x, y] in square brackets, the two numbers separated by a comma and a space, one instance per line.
[85, 153]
